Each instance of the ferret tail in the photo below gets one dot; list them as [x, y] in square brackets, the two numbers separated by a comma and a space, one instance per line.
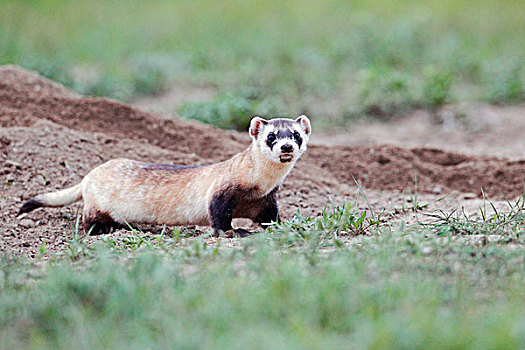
[53, 199]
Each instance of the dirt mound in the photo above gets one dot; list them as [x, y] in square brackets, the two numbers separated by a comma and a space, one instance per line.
[395, 168]
[26, 97]
[50, 138]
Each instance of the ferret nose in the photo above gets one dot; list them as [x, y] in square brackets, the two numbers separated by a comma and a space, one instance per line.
[287, 148]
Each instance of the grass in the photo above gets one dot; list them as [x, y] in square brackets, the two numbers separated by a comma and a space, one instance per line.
[506, 224]
[338, 280]
[329, 59]
[230, 110]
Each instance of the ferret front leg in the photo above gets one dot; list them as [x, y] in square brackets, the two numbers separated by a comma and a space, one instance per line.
[269, 210]
[220, 212]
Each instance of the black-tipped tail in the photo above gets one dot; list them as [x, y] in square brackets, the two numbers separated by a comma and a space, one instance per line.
[30, 205]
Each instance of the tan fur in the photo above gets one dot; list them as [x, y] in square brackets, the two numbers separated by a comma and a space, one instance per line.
[62, 197]
[173, 198]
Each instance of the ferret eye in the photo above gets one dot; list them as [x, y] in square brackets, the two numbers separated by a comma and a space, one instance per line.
[271, 137]
[296, 136]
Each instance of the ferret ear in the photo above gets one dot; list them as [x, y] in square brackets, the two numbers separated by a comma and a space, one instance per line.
[256, 126]
[305, 124]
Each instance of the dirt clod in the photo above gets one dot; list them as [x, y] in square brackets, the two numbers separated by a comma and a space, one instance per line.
[27, 223]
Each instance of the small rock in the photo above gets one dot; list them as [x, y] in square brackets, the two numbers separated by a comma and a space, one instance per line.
[27, 223]
[437, 190]
[469, 196]
[41, 180]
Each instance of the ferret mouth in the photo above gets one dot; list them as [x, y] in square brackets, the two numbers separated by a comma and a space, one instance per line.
[285, 158]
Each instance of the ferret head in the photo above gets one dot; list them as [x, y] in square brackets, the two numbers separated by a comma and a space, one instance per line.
[281, 140]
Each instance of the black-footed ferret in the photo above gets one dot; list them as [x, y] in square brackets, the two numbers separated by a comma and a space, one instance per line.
[244, 186]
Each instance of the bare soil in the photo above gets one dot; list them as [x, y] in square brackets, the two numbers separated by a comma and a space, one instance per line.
[51, 137]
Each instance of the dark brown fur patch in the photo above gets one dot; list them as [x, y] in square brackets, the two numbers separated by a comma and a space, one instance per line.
[260, 210]
[242, 202]
[268, 209]
[97, 223]
[225, 201]
[30, 205]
